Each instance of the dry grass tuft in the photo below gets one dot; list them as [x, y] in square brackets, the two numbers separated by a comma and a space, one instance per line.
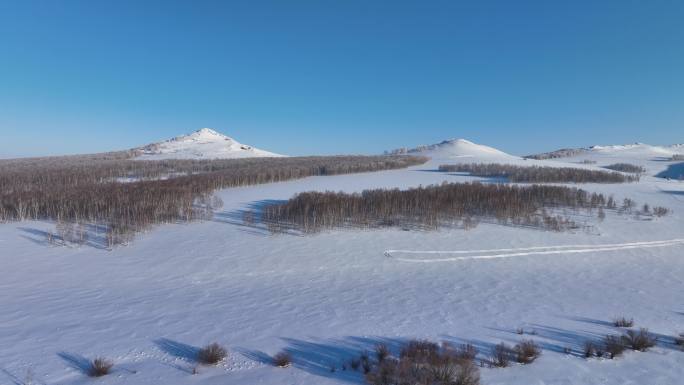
[623, 322]
[526, 352]
[100, 367]
[640, 340]
[282, 359]
[614, 346]
[211, 354]
[502, 355]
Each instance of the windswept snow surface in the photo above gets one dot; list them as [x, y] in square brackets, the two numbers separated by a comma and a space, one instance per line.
[326, 298]
[201, 144]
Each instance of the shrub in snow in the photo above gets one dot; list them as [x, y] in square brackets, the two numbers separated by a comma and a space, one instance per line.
[381, 352]
[526, 352]
[501, 356]
[640, 340]
[212, 354]
[282, 359]
[660, 211]
[590, 349]
[466, 352]
[623, 322]
[424, 362]
[100, 367]
[614, 346]
[679, 340]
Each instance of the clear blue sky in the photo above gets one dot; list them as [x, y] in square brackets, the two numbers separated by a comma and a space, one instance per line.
[352, 76]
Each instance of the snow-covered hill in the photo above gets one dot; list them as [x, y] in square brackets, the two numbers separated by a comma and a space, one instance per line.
[635, 150]
[201, 144]
[456, 148]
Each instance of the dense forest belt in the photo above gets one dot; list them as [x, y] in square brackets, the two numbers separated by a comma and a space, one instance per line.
[446, 205]
[87, 190]
[539, 174]
[626, 167]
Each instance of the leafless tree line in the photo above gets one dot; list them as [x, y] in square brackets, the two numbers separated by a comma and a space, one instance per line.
[539, 174]
[626, 167]
[85, 190]
[562, 153]
[445, 205]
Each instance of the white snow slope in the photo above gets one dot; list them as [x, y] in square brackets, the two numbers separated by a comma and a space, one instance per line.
[457, 148]
[201, 144]
[325, 298]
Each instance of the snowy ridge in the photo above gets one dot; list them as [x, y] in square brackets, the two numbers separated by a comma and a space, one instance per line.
[636, 150]
[455, 148]
[201, 144]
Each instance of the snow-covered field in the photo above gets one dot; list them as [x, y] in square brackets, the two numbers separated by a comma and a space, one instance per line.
[325, 298]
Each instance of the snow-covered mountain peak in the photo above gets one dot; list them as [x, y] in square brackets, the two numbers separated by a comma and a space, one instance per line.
[205, 143]
[203, 135]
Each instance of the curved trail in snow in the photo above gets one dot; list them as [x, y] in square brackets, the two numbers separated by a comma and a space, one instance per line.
[537, 250]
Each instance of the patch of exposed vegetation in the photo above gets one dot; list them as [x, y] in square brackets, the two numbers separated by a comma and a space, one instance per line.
[539, 174]
[562, 153]
[626, 167]
[623, 322]
[431, 207]
[84, 189]
[211, 354]
[282, 359]
[100, 367]
[425, 362]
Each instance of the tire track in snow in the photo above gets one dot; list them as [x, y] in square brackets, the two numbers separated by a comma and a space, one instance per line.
[525, 251]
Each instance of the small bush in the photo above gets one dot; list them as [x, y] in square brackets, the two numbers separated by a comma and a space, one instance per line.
[660, 211]
[640, 340]
[100, 367]
[526, 352]
[501, 356]
[614, 346]
[211, 354]
[420, 350]
[466, 352]
[365, 362]
[679, 340]
[424, 362]
[622, 322]
[590, 349]
[283, 360]
[381, 352]
[384, 374]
